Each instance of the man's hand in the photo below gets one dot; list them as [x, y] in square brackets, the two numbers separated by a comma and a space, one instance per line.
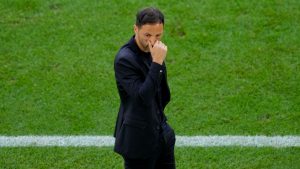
[158, 52]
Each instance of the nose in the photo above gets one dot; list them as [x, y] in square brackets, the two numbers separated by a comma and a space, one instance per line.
[152, 40]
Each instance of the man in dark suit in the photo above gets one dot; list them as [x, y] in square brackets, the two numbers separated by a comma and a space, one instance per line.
[143, 137]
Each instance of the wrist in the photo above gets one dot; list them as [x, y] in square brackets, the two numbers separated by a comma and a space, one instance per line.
[158, 61]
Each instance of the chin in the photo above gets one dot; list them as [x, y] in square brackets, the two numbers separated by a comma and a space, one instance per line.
[146, 49]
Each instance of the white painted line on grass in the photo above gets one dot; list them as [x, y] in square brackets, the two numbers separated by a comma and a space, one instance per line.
[181, 141]
[245, 141]
[62, 141]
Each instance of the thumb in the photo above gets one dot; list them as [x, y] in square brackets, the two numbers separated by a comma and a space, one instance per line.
[150, 46]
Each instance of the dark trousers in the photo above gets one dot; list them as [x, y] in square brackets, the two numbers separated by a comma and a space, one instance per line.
[163, 159]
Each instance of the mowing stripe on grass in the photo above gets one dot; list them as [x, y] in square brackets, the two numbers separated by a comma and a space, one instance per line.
[193, 141]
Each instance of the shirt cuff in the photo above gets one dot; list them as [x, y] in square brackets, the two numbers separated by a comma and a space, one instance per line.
[156, 71]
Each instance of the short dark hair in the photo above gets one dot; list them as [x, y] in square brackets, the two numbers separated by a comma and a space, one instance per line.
[149, 15]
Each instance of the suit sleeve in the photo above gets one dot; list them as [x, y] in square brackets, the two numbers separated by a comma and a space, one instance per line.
[132, 81]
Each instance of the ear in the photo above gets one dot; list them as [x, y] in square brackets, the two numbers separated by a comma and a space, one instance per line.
[135, 28]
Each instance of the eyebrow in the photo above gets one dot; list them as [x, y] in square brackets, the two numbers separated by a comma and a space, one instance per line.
[150, 34]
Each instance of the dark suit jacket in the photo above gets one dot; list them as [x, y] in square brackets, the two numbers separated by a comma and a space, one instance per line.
[139, 118]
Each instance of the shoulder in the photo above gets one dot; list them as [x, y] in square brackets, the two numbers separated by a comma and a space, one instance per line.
[125, 54]
[125, 51]
[125, 58]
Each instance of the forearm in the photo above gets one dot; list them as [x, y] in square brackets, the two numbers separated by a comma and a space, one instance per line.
[133, 82]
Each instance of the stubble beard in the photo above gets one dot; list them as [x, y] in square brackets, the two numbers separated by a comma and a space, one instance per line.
[146, 48]
[143, 45]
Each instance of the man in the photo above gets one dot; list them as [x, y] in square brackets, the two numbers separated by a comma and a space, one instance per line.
[143, 137]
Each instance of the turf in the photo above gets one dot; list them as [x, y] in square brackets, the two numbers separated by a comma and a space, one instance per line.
[233, 66]
[233, 69]
[192, 158]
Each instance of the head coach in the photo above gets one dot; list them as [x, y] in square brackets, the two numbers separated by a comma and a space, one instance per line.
[142, 136]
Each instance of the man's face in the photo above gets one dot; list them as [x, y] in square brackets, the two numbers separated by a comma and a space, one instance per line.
[148, 33]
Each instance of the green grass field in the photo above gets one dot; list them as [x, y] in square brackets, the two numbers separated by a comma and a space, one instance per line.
[233, 69]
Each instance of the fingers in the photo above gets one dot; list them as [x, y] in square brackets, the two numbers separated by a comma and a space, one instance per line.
[159, 44]
[150, 46]
[158, 51]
